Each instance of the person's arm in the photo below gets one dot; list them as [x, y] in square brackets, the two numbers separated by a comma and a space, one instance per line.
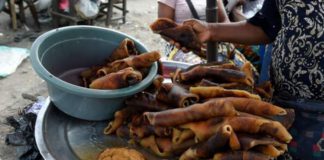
[222, 16]
[237, 32]
[268, 18]
[237, 14]
[235, 9]
[165, 11]
[262, 28]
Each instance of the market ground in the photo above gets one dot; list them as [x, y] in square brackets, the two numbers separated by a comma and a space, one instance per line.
[25, 80]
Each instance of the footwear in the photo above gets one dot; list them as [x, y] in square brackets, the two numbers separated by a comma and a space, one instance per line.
[44, 16]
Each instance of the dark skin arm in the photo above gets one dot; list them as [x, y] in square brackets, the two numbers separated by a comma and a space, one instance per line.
[164, 11]
[235, 32]
[238, 32]
[222, 16]
[237, 14]
[236, 11]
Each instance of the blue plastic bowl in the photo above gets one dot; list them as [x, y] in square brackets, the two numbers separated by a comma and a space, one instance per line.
[62, 54]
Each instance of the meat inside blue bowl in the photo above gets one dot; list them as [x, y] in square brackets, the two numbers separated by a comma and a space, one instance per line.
[60, 55]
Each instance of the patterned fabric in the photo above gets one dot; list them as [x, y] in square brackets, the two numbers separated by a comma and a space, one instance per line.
[297, 68]
[225, 51]
[298, 72]
[172, 53]
[298, 54]
[308, 133]
[252, 53]
[307, 130]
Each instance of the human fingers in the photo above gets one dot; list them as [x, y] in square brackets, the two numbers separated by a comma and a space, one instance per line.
[189, 22]
[204, 45]
[198, 26]
[166, 38]
[177, 45]
[204, 36]
[172, 42]
[184, 49]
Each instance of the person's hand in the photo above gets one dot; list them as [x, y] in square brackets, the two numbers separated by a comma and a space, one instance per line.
[233, 3]
[201, 30]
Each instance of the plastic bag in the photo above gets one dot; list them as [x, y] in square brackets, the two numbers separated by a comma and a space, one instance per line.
[10, 58]
[42, 4]
[87, 9]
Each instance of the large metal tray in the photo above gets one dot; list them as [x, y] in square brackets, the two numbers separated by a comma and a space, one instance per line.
[61, 137]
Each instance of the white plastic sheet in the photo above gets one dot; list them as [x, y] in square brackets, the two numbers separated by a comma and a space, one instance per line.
[10, 58]
[87, 9]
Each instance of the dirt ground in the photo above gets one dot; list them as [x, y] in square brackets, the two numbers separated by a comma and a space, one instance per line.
[25, 80]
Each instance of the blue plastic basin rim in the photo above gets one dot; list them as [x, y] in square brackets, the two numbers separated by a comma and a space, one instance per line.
[82, 91]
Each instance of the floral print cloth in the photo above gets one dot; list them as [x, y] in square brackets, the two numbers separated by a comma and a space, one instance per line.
[298, 54]
[297, 69]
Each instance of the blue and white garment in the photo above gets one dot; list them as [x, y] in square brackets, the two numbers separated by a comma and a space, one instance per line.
[297, 68]
[297, 29]
[298, 55]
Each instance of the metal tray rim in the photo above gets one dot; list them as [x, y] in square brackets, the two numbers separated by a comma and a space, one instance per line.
[41, 118]
[39, 126]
